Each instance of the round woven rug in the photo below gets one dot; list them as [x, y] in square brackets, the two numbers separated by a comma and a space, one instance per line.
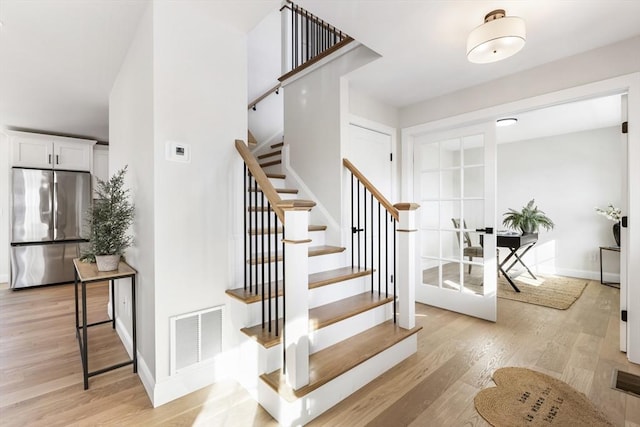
[528, 398]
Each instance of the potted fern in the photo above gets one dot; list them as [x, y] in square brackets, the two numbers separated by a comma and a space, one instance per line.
[528, 220]
[109, 220]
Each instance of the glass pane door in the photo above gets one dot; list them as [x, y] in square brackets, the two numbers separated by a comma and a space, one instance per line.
[454, 182]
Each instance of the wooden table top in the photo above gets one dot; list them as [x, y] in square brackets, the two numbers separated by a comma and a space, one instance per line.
[88, 272]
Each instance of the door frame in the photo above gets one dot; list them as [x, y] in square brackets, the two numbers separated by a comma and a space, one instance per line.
[629, 84]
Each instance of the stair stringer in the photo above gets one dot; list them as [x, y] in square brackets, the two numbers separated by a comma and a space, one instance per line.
[308, 407]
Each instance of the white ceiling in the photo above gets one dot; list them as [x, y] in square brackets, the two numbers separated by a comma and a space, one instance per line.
[58, 58]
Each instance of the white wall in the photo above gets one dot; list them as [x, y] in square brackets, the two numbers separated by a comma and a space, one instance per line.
[365, 106]
[595, 65]
[200, 92]
[131, 142]
[184, 80]
[315, 112]
[568, 175]
[4, 208]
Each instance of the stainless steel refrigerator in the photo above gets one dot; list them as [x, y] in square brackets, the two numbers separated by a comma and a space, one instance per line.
[48, 210]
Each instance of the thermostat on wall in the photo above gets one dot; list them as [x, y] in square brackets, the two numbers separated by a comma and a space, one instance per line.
[178, 152]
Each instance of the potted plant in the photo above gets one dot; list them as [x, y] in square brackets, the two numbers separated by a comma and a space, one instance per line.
[528, 220]
[109, 219]
[613, 214]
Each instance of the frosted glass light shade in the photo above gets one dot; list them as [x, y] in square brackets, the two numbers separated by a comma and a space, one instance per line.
[495, 40]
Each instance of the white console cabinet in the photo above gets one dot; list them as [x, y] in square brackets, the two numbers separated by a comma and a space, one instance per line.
[51, 152]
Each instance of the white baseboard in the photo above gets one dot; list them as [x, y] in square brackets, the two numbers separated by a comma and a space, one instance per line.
[4, 278]
[583, 274]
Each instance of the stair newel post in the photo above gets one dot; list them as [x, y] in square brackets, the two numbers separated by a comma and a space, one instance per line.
[407, 263]
[296, 321]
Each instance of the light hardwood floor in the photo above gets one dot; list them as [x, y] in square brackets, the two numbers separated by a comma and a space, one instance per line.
[41, 375]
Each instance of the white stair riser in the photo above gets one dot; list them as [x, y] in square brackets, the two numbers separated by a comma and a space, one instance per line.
[326, 262]
[317, 239]
[340, 331]
[305, 409]
[337, 291]
[317, 297]
[254, 360]
[256, 198]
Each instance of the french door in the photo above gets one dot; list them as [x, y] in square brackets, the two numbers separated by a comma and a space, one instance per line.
[455, 185]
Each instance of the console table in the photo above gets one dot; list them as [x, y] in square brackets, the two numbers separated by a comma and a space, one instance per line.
[88, 273]
[514, 242]
[612, 249]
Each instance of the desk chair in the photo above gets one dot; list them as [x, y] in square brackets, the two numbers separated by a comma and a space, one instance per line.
[469, 250]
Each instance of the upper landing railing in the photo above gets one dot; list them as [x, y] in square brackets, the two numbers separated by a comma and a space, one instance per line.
[306, 39]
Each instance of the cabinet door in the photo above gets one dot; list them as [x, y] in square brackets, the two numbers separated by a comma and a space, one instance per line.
[100, 165]
[32, 152]
[72, 155]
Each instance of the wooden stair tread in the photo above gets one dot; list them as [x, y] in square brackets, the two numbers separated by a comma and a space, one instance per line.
[271, 163]
[334, 361]
[279, 229]
[271, 154]
[277, 145]
[278, 190]
[313, 251]
[329, 277]
[316, 280]
[276, 175]
[322, 316]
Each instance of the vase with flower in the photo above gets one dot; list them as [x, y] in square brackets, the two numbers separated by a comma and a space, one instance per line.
[613, 214]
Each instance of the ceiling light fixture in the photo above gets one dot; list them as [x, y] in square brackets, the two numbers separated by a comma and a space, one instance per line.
[507, 121]
[498, 38]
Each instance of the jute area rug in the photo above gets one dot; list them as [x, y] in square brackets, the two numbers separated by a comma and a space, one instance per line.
[528, 398]
[550, 291]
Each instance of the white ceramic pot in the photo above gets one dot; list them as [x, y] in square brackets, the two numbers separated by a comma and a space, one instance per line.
[107, 262]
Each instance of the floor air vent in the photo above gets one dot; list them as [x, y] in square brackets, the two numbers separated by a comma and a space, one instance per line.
[195, 337]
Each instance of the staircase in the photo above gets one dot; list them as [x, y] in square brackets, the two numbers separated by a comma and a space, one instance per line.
[351, 332]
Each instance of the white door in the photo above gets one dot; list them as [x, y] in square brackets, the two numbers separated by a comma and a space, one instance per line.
[370, 150]
[455, 185]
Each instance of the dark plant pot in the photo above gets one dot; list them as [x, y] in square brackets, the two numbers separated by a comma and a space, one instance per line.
[616, 233]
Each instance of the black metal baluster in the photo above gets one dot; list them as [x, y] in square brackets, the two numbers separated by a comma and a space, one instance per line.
[262, 254]
[284, 308]
[393, 278]
[246, 231]
[372, 248]
[275, 246]
[379, 252]
[358, 193]
[352, 224]
[364, 203]
[254, 256]
[269, 265]
[386, 254]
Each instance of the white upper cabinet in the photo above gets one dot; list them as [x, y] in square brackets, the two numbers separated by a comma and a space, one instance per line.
[51, 152]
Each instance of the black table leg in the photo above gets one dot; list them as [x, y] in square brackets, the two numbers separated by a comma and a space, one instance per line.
[85, 352]
[504, 272]
[133, 323]
[113, 306]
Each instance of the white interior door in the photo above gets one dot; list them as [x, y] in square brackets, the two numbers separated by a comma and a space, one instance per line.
[455, 185]
[369, 150]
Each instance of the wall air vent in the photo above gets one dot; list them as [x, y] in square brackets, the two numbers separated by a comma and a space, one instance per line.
[195, 337]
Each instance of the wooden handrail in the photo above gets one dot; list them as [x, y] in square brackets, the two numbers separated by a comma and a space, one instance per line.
[372, 189]
[261, 178]
[316, 58]
[263, 96]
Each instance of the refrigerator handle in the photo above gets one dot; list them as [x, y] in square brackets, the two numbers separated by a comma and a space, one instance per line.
[55, 209]
[49, 158]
